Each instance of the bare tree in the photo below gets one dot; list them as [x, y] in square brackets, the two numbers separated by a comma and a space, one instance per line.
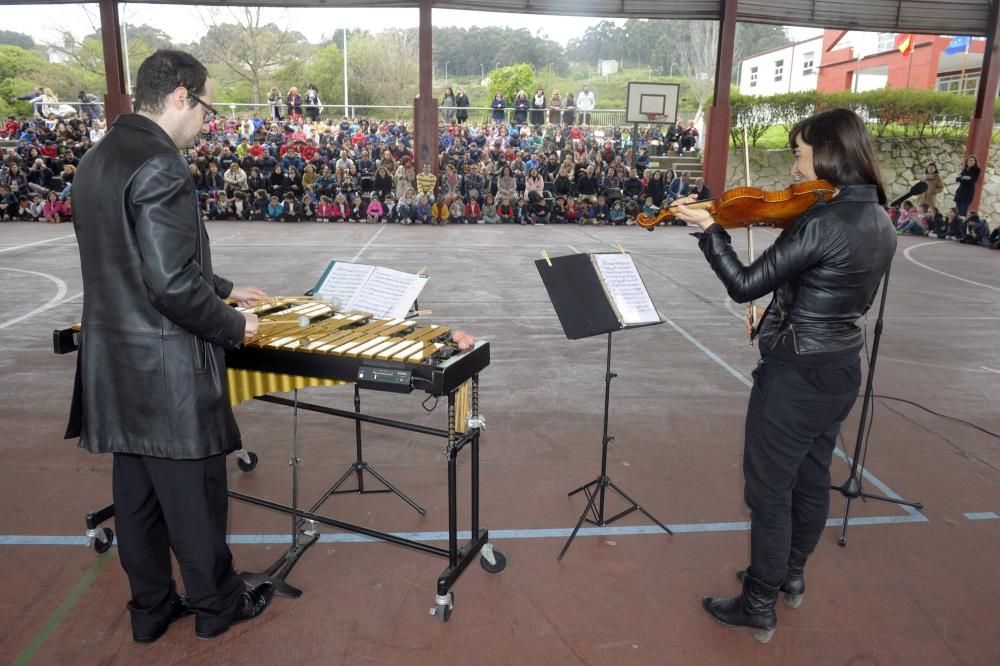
[697, 60]
[247, 46]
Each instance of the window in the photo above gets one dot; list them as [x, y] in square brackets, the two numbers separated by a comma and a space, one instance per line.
[808, 61]
[886, 41]
[779, 70]
[753, 77]
[955, 83]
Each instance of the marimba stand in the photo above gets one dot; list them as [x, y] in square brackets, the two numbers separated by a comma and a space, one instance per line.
[592, 298]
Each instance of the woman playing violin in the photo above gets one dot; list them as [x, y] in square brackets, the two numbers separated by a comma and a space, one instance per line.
[823, 272]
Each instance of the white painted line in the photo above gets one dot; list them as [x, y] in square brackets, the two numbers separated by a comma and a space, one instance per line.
[984, 515]
[542, 533]
[933, 365]
[907, 251]
[56, 300]
[370, 241]
[989, 369]
[47, 240]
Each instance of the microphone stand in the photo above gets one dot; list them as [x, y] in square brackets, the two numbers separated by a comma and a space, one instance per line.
[851, 488]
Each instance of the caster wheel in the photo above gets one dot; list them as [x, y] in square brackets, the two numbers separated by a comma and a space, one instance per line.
[443, 605]
[499, 565]
[249, 464]
[442, 613]
[842, 542]
[103, 542]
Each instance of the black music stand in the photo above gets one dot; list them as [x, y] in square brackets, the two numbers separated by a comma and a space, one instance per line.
[593, 298]
[851, 488]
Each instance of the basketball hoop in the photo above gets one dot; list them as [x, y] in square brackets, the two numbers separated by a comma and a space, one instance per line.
[651, 117]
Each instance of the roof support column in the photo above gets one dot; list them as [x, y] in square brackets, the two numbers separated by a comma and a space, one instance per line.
[716, 155]
[981, 125]
[117, 100]
[425, 112]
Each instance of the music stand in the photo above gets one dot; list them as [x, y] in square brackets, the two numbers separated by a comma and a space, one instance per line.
[598, 294]
[851, 488]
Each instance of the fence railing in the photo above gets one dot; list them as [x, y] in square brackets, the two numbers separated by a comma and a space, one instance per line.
[476, 114]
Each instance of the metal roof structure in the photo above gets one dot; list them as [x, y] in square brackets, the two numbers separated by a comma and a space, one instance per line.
[948, 17]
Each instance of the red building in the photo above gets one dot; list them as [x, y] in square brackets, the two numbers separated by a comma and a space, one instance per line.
[873, 61]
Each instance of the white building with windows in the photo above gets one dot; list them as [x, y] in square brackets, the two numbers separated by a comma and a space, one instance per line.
[790, 68]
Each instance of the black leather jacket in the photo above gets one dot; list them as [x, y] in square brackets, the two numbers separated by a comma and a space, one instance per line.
[824, 271]
[151, 368]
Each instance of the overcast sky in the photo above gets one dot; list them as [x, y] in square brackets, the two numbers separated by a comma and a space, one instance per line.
[184, 24]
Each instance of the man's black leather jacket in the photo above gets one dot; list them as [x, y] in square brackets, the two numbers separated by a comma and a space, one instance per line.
[824, 271]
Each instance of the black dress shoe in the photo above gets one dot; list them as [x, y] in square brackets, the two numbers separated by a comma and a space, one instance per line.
[179, 607]
[251, 604]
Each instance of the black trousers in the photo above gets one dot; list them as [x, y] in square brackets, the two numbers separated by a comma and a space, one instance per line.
[793, 419]
[179, 505]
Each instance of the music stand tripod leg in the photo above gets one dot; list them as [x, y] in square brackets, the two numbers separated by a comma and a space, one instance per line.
[359, 467]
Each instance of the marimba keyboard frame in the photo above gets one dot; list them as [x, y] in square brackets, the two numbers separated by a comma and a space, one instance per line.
[439, 380]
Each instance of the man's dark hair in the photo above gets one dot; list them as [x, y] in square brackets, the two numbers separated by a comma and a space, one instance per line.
[842, 149]
[161, 73]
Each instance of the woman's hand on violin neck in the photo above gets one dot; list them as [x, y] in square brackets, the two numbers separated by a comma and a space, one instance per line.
[698, 216]
[752, 315]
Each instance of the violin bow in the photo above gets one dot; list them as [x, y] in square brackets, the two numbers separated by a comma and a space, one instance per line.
[750, 248]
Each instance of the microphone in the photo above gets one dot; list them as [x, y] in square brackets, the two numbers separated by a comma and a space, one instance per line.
[919, 188]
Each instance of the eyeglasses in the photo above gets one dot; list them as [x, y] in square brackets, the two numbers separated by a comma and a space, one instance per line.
[210, 111]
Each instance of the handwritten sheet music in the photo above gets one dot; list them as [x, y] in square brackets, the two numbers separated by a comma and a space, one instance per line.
[625, 288]
[385, 292]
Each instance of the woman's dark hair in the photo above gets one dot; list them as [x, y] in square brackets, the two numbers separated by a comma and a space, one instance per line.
[162, 73]
[842, 150]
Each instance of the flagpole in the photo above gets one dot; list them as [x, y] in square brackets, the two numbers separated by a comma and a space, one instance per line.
[909, 63]
[965, 64]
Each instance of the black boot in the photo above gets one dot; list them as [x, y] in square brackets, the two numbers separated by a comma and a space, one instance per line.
[793, 588]
[754, 608]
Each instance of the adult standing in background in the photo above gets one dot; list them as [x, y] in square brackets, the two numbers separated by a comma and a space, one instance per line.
[151, 377]
[448, 105]
[538, 108]
[462, 102]
[585, 103]
[294, 104]
[498, 105]
[312, 104]
[555, 108]
[934, 185]
[569, 110]
[274, 101]
[967, 185]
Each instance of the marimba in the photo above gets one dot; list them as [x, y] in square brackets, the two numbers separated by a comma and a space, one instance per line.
[306, 344]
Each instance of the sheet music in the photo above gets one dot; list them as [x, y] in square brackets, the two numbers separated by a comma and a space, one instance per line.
[625, 288]
[342, 281]
[388, 293]
[385, 292]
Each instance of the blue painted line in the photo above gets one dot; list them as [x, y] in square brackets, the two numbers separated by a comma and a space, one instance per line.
[542, 533]
[985, 515]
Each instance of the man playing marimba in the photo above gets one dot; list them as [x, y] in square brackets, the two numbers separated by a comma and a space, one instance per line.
[151, 379]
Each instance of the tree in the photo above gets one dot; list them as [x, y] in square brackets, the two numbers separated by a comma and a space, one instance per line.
[12, 38]
[249, 48]
[18, 69]
[509, 80]
[383, 68]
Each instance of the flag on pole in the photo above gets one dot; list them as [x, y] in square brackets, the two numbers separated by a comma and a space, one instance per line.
[958, 44]
[904, 42]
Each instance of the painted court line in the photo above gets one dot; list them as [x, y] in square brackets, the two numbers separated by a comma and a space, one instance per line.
[41, 242]
[56, 300]
[984, 515]
[538, 533]
[907, 251]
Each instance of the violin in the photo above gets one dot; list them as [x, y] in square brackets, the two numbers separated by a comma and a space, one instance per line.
[743, 206]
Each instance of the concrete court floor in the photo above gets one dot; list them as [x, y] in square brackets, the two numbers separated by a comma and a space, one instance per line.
[910, 587]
